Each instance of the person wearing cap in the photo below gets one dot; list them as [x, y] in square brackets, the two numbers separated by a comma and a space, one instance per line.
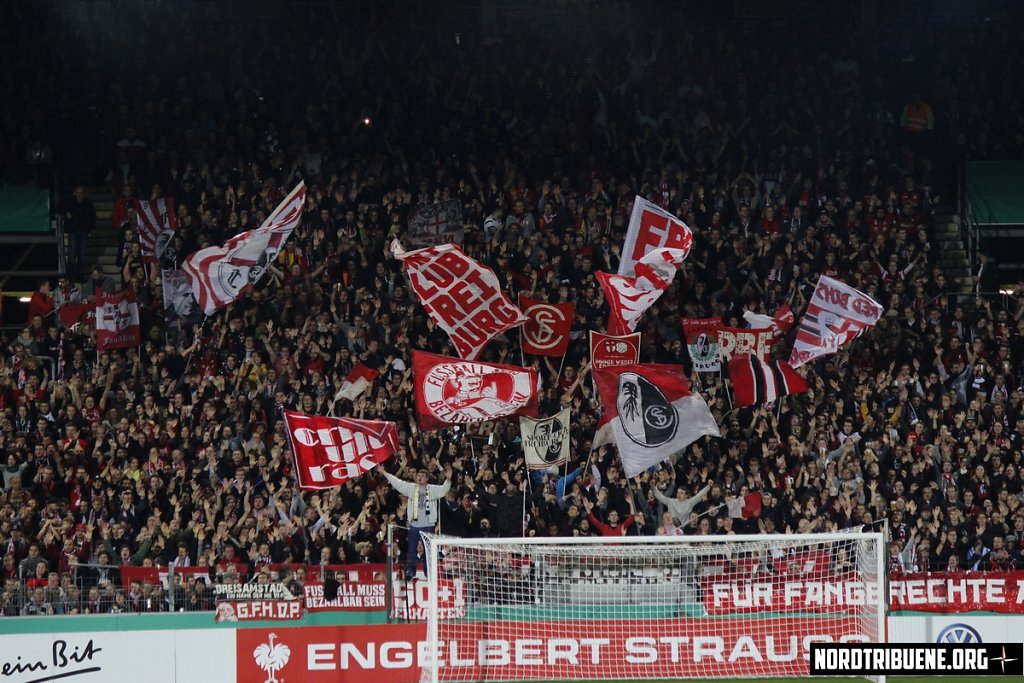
[421, 511]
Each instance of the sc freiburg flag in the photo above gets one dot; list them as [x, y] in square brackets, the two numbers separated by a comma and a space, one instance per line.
[755, 381]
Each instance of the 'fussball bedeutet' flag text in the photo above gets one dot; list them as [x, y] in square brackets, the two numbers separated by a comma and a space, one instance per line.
[451, 391]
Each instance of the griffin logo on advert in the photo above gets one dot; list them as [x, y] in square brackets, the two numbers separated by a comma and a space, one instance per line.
[646, 415]
[470, 392]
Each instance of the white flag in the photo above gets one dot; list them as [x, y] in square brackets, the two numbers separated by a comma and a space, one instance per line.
[545, 442]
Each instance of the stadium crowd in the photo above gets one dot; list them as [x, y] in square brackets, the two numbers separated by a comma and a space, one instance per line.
[790, 153]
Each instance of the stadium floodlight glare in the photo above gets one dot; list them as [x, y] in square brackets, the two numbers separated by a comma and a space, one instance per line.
[647, 608]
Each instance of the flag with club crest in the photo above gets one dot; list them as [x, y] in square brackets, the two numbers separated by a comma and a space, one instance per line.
[701, 336]
[117, 320]
[650, 414]
[220, 275]
[545, 441]
[156, 223]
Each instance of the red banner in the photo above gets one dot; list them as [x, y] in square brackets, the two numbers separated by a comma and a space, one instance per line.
[608, 351]
[941, 592]
[451, 392]
[539, 650]
[72, 314]
[259, 610]
[117, 320]
[952, 592]
[779, 593]
[546, 330]
[329, 451]
[463, 297]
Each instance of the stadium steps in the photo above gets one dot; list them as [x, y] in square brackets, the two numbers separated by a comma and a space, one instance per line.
[953, 257]
[102, 246]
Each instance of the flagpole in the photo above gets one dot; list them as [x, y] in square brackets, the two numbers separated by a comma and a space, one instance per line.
[529, 485]
[188, 362]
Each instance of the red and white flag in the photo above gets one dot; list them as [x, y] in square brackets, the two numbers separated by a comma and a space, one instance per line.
[650, 414]
[463, 297]
[784, 317]
[358, 381]
[745, 507]
[701, 336]
[155, 222]
[781, 321]
[609, 351]
[755, 381]
[650, 228]
[117, 320]
[835, 314]
[329, 451]
[630, 296]
[450, 391]
[220, 275]
[547, 327]
[733, 341]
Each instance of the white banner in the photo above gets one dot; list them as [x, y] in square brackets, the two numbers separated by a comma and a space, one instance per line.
[545, 442]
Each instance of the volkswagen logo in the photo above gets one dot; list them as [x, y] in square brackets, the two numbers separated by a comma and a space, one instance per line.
[958, 634]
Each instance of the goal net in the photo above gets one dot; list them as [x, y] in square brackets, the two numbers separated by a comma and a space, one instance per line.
[636, 608]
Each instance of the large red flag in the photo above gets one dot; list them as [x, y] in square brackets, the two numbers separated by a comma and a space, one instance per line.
[117, 320]
[329, 450]
[650, 413]
[630, 296]
[463, 297]
[450, 391]
[546, 330]
[220, 275]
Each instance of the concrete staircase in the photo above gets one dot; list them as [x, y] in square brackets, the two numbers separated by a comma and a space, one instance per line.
[102, 246]
[953, 256]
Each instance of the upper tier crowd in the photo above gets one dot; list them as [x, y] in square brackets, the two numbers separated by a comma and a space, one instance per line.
[791, 153]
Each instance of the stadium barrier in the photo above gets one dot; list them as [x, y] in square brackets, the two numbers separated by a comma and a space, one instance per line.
[116, 649]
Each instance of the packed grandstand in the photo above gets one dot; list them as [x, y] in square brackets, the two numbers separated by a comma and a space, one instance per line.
[791, 152]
